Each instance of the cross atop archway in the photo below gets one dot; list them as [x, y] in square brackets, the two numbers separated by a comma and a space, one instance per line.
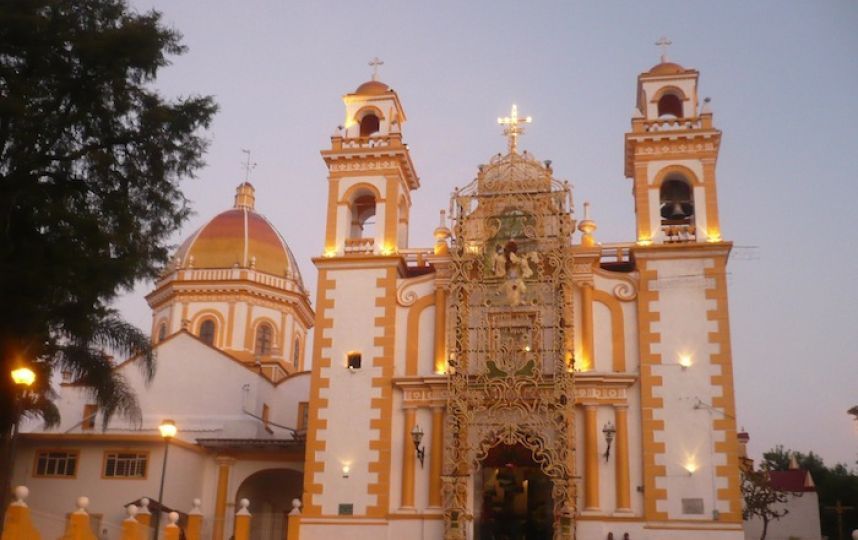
[374, 63]
[513, 127]
[664, 43]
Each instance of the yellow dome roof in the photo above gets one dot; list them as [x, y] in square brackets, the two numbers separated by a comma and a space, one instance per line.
[372, 88]
[667, 68]
[239, 237]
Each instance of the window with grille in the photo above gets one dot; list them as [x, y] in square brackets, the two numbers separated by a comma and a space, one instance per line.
[263, 339]
[296, 355]
[125, 464]
[56, 463]
[207, 331]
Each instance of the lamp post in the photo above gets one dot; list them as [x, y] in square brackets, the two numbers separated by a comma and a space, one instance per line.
[416, 437]
[168, 431]
[608, 431]
[23, 377]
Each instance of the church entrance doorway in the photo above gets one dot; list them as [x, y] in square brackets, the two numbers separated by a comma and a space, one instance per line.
[512, 497]
[270, 492]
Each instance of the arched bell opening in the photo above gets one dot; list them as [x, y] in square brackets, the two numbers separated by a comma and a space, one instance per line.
[369, 124]
[363, 216]
[270, 493]
[676, 202]
[670, 105]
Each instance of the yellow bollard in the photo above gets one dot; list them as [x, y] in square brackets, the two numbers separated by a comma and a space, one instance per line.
[171, 530]
[18, 524]
[131, 528]
[195, 522]
[293, 521]
[144, 517]
[77, 526]
[242, 521]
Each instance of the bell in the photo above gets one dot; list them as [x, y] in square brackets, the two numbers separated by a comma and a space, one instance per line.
[677, 212]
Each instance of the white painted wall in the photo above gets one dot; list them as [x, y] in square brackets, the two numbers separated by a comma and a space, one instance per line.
[801, 523]
[350, 393]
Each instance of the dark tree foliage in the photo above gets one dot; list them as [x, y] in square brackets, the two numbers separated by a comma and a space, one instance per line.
[837, 483]
[91, 158]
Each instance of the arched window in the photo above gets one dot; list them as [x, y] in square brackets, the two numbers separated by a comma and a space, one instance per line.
[207, 331]
[369, 124]
[162, 332]
[263, 339]
[363, 214]
[677, 202]
[296, 354]
[670, 104]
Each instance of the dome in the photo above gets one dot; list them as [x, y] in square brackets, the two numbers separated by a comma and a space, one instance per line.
[666, 68]
[239, 237]
[372, 88]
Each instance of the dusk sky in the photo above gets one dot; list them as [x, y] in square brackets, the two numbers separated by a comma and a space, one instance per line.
[783, 78]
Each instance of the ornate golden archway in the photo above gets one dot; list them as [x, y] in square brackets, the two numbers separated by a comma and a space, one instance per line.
[510, 373]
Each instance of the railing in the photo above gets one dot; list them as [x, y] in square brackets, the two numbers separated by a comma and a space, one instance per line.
[228, 274]
[671, 124]
[393, 140]
[416, 256]
[675, 234]
[359, 245]
[616, 252]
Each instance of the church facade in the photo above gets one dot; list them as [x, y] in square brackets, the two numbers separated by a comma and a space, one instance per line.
[517, 379]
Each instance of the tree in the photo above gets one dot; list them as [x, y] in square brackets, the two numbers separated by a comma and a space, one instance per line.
[833, 484]
[91, 158]
[762, 500]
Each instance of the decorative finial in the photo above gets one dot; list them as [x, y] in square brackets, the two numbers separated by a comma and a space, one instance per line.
[513, 127]
[243, 505]
[82, 503]
[296, 507]
[247, 164]
[132, 511]
[21, 493]
[587, 227]
[172, 517]
[664, 43]
[374, 63]
[196, 510]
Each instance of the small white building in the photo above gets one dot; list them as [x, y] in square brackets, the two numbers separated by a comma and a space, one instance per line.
[802, 519]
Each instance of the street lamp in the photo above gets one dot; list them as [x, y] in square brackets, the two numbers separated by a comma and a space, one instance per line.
[23, 377]
[609, 431]
[416, 437]
[168, 430]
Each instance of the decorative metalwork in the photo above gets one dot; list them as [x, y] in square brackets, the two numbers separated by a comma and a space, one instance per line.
[510, 372]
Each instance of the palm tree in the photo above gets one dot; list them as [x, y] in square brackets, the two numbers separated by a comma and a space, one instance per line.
[84, 355]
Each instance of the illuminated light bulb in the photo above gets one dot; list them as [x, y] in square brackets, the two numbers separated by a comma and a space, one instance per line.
[346, 470]
[685, 360]
[691, 467]
[644, 242]
[330, 252]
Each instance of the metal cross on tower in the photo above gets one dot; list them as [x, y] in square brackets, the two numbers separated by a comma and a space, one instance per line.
[664, 43]
[374, 63]
[247, 164]
[513, 127]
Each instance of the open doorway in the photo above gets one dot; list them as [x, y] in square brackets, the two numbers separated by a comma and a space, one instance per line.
[513, 497]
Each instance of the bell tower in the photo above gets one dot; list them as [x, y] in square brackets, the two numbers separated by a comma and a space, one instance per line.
[370, 175]
[670, 155]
